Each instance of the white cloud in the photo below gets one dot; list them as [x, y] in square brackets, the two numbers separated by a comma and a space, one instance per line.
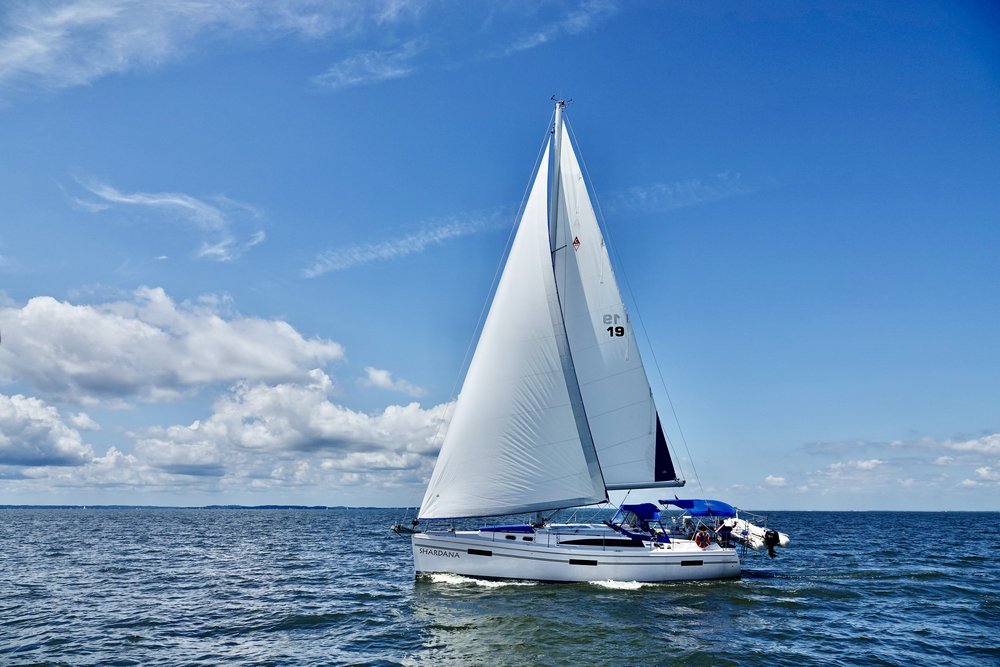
[292, 433]
[680, 194]
[32, 433]
[200, 213]
[221, 219]
[579, 20]
[183, 451]
[115, 470]
[987, 473]
[9, 265]
[65, 43]
[368, 462]
[852, 474]
[987, 444]
[370, 67]
[82, 422]
[258, 438]
[299, 417]
[772, 480]
[847, 467]
[50, 46]
[382, 379]
[229, 248]
[340, 259]
[391, 11]
[909, 464]
[149, 348]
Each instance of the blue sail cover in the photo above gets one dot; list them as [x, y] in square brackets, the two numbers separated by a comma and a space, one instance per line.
[702, 507]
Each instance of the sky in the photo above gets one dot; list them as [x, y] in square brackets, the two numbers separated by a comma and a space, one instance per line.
[244, 245]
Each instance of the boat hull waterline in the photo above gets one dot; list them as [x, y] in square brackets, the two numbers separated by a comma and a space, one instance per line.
[472, 554]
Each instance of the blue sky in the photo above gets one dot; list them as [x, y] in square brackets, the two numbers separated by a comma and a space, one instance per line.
[244, 245]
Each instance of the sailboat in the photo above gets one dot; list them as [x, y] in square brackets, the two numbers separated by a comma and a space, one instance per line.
[556, 411]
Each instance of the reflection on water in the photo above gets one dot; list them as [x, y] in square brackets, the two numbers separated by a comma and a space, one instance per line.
[476, 622]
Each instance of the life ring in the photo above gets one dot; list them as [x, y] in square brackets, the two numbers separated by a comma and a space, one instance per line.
[701, 539]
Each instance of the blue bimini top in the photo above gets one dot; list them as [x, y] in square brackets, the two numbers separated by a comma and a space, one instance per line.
[643, 511]
[703, 507]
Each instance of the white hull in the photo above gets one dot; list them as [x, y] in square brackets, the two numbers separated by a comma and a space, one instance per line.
[546, 556]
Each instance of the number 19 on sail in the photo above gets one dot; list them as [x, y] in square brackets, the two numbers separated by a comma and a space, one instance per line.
[614, 329]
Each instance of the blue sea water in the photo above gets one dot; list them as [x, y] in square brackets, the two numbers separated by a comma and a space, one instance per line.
[335, 587]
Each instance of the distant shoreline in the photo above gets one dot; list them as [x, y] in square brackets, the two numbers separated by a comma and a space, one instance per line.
[403, 509]
[190, 507]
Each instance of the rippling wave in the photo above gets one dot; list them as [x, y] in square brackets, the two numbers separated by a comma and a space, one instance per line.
[322, 587]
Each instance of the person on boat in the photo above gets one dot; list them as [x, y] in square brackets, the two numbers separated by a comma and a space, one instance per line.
[724, 532]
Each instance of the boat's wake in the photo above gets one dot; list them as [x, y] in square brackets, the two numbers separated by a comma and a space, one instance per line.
[619, 585]
[459, 580]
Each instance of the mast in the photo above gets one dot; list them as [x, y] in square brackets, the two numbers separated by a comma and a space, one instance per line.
[554, 182]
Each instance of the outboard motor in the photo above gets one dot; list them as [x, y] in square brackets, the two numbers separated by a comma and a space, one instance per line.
[771, 540]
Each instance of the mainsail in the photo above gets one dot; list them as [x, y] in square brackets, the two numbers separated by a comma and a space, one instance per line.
[513, 444]
[556, 407]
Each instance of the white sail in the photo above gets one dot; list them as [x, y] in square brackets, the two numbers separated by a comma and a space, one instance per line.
[555, 410]
[616, 394]
[514, 444]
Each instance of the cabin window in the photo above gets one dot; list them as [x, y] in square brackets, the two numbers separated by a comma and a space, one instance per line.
[603, 542]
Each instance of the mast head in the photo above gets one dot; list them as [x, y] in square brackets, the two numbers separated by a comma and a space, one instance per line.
[561, 104]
